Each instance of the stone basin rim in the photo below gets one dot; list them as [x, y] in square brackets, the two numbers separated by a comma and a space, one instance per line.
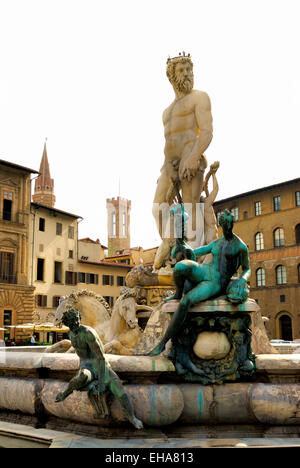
[221, 304]
[133, 364]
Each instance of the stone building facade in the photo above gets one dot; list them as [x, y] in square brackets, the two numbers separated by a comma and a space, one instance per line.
[53, 257]
[268, 221]
[102, 277]
[16, 291]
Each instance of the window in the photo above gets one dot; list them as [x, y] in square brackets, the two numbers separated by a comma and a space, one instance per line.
[259, 241]
[7, 321]
[278, 237]
[120, 280]
[260, 277]
[126, 260]
[7, 210]
[7, 260]
[124, 224]
[57, 272]
[71, 253]
[42, 224]
[71, 232]
[7, 206]
[235, 213]
[276, 203]
[297, 234]
[71, 277]
[297, 196]
[245, 215]
[55, 301]
[81, 277]
[91, 278]
[109, 300]
[280, 274]
[257, 208]
[285, 328]
[40, 269]
[8, 196]
[113, 224]
[58, 229]
[107, 280]
[41, 300]
[282, 297]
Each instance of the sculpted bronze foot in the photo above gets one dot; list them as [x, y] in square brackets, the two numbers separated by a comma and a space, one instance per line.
[60, 397]
[176, 297]
[137, 423]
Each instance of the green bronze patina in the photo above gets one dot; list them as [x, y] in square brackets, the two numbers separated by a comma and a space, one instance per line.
[199, 282]
[95, 375]
[239, 362]
[181, 250]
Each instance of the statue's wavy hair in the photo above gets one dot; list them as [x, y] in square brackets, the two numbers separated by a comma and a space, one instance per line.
[171, 64]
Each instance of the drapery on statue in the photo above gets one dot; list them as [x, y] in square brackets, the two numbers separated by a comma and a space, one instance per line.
[188, 133]
[95, 375]
[201, 282]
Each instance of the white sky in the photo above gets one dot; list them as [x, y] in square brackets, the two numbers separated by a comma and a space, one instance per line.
[90, 76]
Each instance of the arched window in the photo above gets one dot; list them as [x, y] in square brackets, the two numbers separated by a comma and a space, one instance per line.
[280, 274]
[259, 241]
[260, 277]
[235, 213]
[278, 237]
[124, 225]
[285, 328]
[297, 233]
[113, 224]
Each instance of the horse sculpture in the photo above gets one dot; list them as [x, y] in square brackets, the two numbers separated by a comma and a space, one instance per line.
[119, 331]
[94, 311]
[124, 331]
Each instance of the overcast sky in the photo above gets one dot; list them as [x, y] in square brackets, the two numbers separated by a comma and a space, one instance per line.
[90, 76]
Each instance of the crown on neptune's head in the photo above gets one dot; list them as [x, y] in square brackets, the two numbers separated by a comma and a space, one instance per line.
[181, 54]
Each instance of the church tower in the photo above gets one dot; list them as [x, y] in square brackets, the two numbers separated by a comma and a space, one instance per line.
[44, 185]
[118, 219]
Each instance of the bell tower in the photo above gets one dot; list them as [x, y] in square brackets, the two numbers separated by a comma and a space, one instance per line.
[44, 185]
[118, 224]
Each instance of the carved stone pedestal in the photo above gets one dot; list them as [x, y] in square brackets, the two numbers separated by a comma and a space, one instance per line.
[214, 344]
[153, 295]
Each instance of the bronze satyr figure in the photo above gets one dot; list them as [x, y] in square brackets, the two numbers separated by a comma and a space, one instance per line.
[95, 375]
